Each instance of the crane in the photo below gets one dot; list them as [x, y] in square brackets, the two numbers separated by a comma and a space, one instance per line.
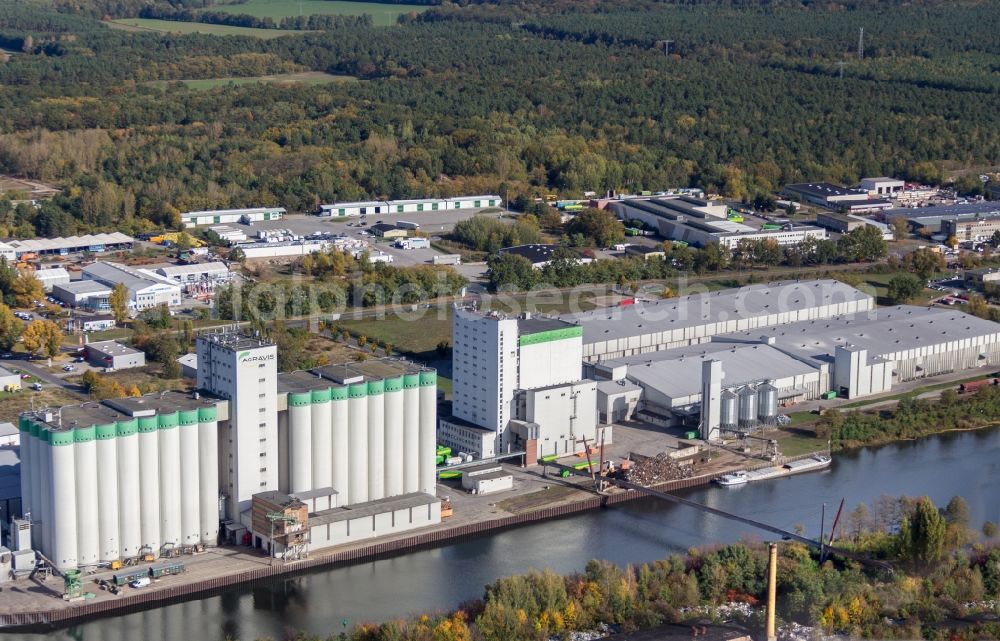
[291, 551]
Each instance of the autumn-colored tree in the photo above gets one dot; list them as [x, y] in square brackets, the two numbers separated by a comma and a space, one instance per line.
[42, 337]
[28, 290]
[11, 328]
[119, 303]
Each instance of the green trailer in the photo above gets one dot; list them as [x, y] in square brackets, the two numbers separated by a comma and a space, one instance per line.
[122, 579]
[828, 395]
[166, 569]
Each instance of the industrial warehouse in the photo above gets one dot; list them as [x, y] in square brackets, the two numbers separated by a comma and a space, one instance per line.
[748, 374]
[414, 205]
[140, 477]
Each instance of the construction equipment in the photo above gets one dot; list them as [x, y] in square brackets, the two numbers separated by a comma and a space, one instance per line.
[446, 509]
[293, 550]
[146, 554]
[72, 586]
[116, 565]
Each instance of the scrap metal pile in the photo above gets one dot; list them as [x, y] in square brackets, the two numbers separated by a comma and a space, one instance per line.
[650, 471]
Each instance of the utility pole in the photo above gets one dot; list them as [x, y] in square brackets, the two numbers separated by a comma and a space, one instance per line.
[841, 64]
[861, 43]
[666, 47]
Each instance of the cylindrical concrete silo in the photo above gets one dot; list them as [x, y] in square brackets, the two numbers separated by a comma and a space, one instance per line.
[28, 466]
[767, 403]
[190, 478]
[63, 521]
[394, 436]
[208, 475]
[322, 439]
[47, 515]
[747, 397]
[376, 440]
[339, 426]
[149, 483]
[728, 409]
[170, 478]
[357, 443]
[299, 442]
[411, 433]
[428, 431]
[108, 527]
[88, 549]
[129, 481]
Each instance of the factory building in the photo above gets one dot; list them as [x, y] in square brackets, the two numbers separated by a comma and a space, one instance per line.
[373, 207]
[977, 229]
[127, 477]
[700, 226]
[88, 294]
[88, 243]
[539, 255]
[675, 322]
[113, 355]
[145, 288]
[748, 376]
[518, 386]
[883, 187]
[844, 223]
[51, 277]
[932, 218]
[217, 216]
[196, 273]
[836, 197]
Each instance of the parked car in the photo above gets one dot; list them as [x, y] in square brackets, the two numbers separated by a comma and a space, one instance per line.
[25, 376]
[37, 387]
[68, 368]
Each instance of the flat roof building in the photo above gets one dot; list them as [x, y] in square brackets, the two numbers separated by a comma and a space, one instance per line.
[216, 216]
[50, 277]
[114, 355]
[933, 217]
[90, 294]
[96, 243]
[882, 186]
[145, 288]
[675, 322]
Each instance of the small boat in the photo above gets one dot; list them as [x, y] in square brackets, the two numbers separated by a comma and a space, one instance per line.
[814, 462]
[732, 479]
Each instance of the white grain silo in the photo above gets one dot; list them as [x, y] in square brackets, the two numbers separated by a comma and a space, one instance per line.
[208, 475]
[339, 424]
[45, 496]
[357, 443]
[63, 508]
[31, 483]
[428, 431]
[411, 433]
[128, 470]
[299, 442]
[28, 485]
[394, 436]
[170, 479]
[108, 526]
[376, 440]
[149, 483]
[88, 548]
[322, 439]
[190, 477]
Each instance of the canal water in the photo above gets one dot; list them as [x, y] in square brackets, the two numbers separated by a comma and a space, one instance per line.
[965, 464]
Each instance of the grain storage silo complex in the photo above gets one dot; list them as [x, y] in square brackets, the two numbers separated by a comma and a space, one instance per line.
[124, 478]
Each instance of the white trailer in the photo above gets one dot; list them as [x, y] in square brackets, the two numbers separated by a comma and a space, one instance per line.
[447, 259]
[405, 224]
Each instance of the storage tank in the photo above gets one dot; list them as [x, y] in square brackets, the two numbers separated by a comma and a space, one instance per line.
[208, 475]
[28, 465]
[376, 440]
[767, 403]
[339, 422]
[322, 440]
[88, 550]
[170, 478]
[357, 443]
[107, 492]
[411, 433]
[394, 436]
[728, 409]
[129, 528]
[149, 483]
[747, 397]
[190, 478]
[299, 442]
[63, 522]
[43, 440]
[428, 431]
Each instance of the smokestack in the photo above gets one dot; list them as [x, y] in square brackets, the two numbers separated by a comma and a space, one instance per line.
[772, 583]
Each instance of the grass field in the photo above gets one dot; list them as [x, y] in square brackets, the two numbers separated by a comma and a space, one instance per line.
[305, 77]
[382, 14]
[406, 336]
[174, 26]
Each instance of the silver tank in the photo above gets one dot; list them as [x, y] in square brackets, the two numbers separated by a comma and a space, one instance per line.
[728, 409]
[767, 403]
[748, 406]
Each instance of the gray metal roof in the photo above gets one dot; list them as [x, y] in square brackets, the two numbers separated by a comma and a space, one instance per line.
[111, 348]
[677, 373]
[710, 307]
[540, 324]
[966, 210]
[892, 329]
[83, 287]
[360, 510]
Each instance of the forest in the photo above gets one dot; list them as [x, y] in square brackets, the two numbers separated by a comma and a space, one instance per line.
[479, 96]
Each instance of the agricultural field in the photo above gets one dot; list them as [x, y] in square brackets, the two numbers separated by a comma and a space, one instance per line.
[13, 403]
[306, 77]
[382, 14]
[173, 26]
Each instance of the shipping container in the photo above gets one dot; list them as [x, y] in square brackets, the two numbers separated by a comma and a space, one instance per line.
[828, 395]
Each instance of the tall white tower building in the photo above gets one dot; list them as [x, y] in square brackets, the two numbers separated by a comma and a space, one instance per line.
[244, 370]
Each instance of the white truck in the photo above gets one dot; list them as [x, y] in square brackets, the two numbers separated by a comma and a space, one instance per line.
[447, 259]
